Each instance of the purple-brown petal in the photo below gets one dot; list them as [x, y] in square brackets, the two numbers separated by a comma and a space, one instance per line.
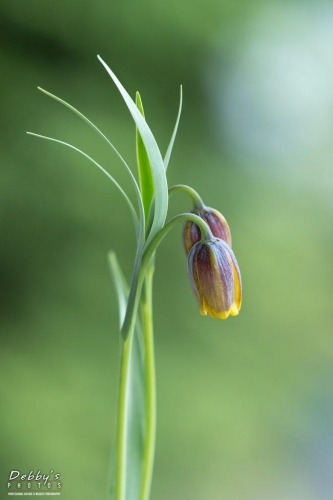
[215, 278]
[216, 222]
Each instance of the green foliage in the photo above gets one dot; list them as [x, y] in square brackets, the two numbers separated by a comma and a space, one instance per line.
[170, 147]
[144, 167]
[136, 415]
[155, 158]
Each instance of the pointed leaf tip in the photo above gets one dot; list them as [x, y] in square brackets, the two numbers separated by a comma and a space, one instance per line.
[154, 155]
[174, 133]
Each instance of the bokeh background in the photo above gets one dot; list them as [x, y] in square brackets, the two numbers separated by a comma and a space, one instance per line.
[245, 406]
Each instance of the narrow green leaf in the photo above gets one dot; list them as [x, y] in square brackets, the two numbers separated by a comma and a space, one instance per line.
[93, 126]
[169, 150]
[134, 214]
[144, 167]
[154, 155]
[136, 415]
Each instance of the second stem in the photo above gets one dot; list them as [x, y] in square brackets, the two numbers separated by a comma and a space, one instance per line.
[150, 381]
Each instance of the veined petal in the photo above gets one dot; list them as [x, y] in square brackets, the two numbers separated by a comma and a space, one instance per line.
[216, 222]
[237, 284]
[215, 278]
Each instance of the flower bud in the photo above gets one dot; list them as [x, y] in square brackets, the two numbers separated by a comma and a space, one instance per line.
[215, 278]
[215, 220]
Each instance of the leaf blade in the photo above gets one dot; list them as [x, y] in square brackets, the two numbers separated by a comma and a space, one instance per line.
[174, 133]
[144, 167]
[94, 127]
[155, 158]
[132, 209]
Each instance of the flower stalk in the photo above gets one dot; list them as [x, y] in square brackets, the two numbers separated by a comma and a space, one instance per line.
[150, 380]
[122, 418]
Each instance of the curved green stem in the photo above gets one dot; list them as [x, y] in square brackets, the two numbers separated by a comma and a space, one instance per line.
[150, 380]
[148, 252]
[206, 233]
[197, 201]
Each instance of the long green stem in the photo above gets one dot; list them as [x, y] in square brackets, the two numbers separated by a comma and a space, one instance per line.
[150, 380]
[122, 418]
[122, 431]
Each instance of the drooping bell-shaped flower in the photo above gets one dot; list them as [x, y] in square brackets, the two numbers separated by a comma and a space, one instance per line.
[215, 278]
[216, 222]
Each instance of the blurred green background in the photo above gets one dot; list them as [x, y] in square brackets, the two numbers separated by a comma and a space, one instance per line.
[245, 406]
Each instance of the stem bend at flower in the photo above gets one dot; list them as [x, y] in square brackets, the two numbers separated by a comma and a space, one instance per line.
[148, 253]
[206, 234]
[197, 201]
